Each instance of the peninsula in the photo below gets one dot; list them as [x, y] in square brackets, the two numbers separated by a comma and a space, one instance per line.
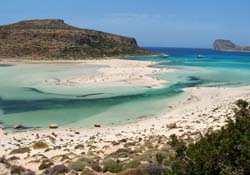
[51, 39]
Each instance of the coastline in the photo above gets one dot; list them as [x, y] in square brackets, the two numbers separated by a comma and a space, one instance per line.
[132, 72]
[24, 60]
[205, 109]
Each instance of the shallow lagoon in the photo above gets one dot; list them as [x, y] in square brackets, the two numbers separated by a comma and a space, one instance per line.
[30, 95]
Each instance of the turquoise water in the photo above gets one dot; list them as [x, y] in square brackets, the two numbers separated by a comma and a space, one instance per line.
[30, 94]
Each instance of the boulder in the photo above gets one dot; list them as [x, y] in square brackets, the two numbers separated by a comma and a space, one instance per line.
[18, 126]
[97, 125]
[172, 125]
[53, 126]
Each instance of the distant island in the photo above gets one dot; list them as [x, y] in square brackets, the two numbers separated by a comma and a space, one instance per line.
[227, 45]
[54, 39]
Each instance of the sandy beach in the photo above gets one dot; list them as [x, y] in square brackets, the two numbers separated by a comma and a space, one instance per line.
[203, 110]
[133, 72]
[118, 70]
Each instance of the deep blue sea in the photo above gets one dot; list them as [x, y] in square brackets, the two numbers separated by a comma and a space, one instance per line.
[215, 69]
[37, 100]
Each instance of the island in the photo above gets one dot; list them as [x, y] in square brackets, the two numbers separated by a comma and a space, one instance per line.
[227, 45]
[53, 39]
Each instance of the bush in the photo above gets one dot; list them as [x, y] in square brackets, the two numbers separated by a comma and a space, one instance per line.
[131, 164]
[77, 165]
[20, 150]
[111, 166]
[122, 153]
[40, 145]
[222, 152]
[160, 156]
[58, 169]
[83, 162]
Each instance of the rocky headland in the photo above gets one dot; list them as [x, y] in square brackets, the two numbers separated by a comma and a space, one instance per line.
[51, 39]
[227, 45]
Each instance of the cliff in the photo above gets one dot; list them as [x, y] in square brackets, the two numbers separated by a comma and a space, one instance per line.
[227, 45]
[54, 39]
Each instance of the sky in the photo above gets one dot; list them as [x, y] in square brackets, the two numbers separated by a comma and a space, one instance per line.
[162, 23]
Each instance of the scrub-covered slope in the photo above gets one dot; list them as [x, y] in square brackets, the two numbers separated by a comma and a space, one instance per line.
[54, 39]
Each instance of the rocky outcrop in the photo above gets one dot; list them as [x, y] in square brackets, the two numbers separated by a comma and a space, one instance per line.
[227, 45]
[54, 39]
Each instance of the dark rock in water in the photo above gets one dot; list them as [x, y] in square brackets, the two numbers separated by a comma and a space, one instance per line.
[54, 39]
[18, 126]
[53, 126]
[58, 169]
[97, 125]
[227, 45]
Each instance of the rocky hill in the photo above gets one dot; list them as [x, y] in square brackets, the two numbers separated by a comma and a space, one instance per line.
[227, 45]
[54, 39]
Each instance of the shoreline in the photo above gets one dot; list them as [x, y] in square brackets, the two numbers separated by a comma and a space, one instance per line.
[132, 72]
[65, 61]
[196, 96]
[205, 109]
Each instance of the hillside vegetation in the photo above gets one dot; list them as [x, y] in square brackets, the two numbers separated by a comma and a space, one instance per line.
[226, 151]
[54, 39]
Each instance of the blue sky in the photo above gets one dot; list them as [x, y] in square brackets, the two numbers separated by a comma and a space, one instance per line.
[171, 23]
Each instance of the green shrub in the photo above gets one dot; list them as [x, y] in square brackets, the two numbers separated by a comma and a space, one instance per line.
[20, 150]
[160, 156]
[131, 164]
[226, 151]
[40, 145]
[78, 165]
[112, 166]
[122, 153]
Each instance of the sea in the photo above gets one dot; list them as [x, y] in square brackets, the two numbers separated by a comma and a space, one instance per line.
[31, 95]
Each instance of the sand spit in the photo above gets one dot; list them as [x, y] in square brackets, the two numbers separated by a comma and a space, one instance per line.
[118, 70]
